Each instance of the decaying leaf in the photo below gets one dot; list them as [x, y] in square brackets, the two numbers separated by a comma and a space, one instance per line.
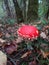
[33, 63]
[9, 63]
[19, 40]
[43, 35]
[7, 35]
[1, 34]
[0, 25]
[45, 54]
[26, 54]
[11, 48]
[47, 26]
[3, 58]
[2, 41]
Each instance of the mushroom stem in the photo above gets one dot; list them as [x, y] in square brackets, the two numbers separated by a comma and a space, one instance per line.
[29, 47]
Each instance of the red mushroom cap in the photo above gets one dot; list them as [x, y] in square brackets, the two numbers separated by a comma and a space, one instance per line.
[28, 31]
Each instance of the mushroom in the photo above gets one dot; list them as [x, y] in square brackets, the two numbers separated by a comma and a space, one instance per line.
[28, 32]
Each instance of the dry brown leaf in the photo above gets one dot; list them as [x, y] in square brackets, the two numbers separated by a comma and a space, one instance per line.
[11, 48]
[19, 40]
[45, 54]
[1, 34]
[47, 26]
[7, 35]
[26, 54]
[33, 62]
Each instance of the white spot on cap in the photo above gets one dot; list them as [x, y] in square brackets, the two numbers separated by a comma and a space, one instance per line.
[33, 37]
[37, 31]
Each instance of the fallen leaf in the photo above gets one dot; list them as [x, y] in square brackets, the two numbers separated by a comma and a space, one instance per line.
[9, 63]
[7, 35]
[33, 63]
[0, 25]
[43, 35]
[26, 54]
[10, 48]
[19, 40]
[3, 58]
[1, 34]
[45, 54]
[2, 41]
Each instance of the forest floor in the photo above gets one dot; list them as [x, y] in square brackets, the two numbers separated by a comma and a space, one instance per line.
[16, 49]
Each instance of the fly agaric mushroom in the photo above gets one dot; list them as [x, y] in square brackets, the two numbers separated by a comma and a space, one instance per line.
[28, 31]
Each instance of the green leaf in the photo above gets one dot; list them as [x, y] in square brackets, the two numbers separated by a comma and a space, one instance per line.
[44, 21]
[42, 61]
[24, 63]
[10, 21]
